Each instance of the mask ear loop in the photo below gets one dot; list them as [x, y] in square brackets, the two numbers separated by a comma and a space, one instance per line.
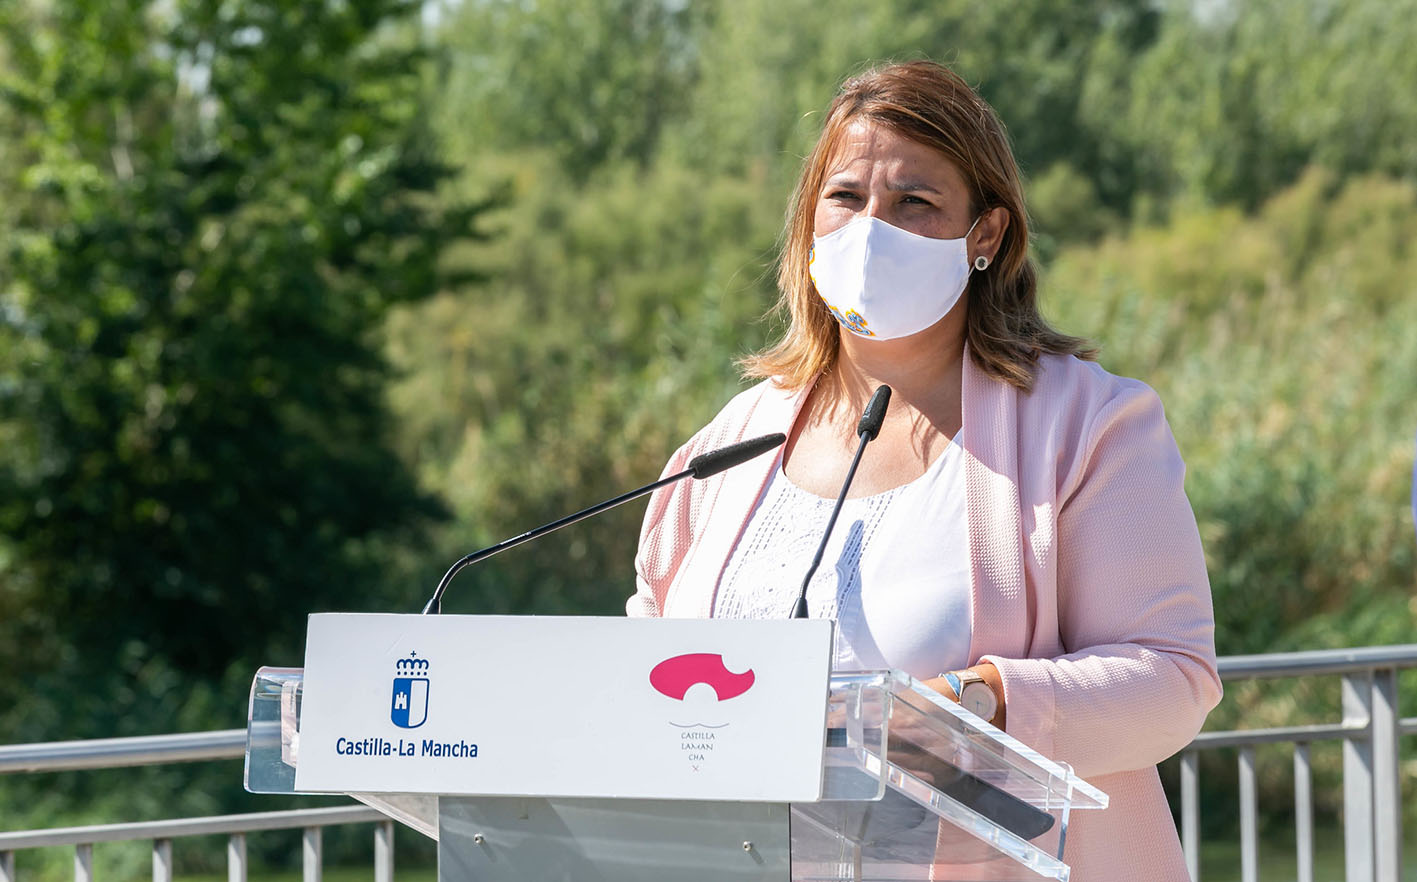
[981, 263]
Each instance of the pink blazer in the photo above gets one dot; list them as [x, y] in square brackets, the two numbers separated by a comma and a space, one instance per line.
[1088, 585]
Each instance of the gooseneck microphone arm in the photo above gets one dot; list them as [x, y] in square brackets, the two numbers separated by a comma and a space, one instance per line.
[701, 466]
[867, 430]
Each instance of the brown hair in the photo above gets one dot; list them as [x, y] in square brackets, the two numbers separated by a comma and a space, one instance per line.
[929, 104]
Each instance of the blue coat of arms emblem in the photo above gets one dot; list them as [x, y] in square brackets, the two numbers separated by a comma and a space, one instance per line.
[409, 708]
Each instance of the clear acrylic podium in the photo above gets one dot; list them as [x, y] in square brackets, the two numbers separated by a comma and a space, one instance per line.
[914, 788]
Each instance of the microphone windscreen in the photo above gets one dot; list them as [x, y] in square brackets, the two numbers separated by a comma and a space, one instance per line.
[875, 413]
[715, 461]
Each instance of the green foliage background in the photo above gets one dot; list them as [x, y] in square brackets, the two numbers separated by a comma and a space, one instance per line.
[247, 370]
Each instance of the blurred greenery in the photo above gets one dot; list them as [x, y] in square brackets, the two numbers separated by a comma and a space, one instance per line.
[247, 370]
[209, 209]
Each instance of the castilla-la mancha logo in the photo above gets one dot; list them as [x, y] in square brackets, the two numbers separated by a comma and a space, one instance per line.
[701, 726]
[410, 702]
[674, 676]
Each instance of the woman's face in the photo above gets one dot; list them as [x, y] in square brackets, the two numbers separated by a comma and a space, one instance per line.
[878, 172]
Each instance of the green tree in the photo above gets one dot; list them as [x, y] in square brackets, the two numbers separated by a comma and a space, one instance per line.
[1233, 101]
[767, 70]
[209, 210]
[592, 81]
[604, 338]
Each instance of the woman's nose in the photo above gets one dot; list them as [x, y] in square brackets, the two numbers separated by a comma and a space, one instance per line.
[879, 207]
[872, 206]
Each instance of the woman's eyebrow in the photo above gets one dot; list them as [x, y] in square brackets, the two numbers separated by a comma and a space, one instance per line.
[848, 181]
[911, 186]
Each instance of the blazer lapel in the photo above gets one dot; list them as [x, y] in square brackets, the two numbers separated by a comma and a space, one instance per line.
[999, 597]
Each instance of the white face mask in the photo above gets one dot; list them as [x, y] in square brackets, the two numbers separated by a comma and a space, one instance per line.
[883, 282]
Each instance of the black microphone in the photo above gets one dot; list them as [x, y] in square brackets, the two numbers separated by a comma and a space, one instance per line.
[715, 461]
[701, 466]
[866, 430]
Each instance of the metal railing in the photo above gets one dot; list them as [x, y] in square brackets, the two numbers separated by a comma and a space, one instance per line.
[113, 753]
[1369, 729]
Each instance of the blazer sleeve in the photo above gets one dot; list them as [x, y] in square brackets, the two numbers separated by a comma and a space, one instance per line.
[664, 537]
[1134, 610]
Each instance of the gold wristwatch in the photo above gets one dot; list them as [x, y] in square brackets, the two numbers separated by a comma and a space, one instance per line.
[973, 693]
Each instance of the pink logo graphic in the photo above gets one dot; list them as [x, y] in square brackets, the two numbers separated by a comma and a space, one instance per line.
[674, 676]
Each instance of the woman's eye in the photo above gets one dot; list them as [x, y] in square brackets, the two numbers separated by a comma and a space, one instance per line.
[915, 200]
[841, 195]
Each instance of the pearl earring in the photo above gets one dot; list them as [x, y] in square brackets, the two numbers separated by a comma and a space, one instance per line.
[981, 263]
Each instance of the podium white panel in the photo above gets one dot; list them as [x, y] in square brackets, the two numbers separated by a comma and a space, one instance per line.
[512, 705]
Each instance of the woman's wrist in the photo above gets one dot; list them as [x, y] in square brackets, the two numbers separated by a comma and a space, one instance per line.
[980, 689]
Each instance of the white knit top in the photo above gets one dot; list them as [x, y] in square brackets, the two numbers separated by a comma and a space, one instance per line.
[895, 574]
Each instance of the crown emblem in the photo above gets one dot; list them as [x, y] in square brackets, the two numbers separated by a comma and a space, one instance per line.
[412, 665]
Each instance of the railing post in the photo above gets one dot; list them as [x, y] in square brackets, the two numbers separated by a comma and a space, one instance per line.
[1358, 778]
[83, 863]
[1190, 812]
[313, 850]
[384, 851]
[162, 860]
[1249, 818]
[7, 866]
[1387, 785]
[236, 858]
[1303, 812]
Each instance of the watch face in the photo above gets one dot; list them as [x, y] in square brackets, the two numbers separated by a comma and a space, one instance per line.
[979, 699]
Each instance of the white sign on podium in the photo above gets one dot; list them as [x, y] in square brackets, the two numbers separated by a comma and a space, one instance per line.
[645, 709]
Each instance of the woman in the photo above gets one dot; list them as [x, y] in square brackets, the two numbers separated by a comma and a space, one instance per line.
[1019, 523]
